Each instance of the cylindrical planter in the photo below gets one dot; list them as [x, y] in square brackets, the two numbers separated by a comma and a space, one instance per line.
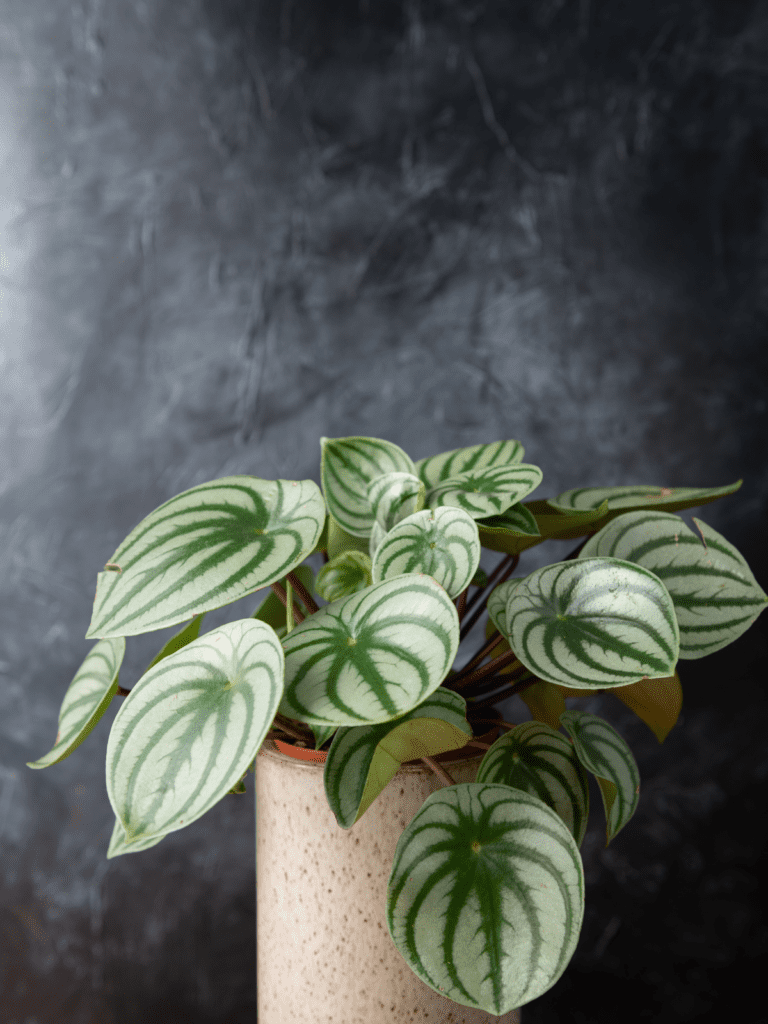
[324, 954]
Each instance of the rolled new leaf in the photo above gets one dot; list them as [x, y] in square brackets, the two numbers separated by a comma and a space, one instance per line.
[436, 468]
[348, 466]
[87, 698]
[540, 760]
[443, 543]
[205, 548]
[364, 759]
[118, 845]
[395, 496]
[603, 752]
[191, 726]
[488, 491]
[345, 574]
[593, 623]
[370, 657]
[485, 899]
[715, 594]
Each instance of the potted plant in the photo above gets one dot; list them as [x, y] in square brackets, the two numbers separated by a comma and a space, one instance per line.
[484, 895]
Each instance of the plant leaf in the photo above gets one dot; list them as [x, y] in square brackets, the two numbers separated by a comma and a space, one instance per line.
[539, 760]
[443, 543]
[322, 734]
[485, 899]
[340, 541]
[715, 594]
[185, 636]
[118, 845]
[546, 702]
[496, 532]
[394, 497]
[593, 622]
[364, 759]
[348, 465]
[642, 497]
[87, 698]
[191, 726]
[488, 491]
[603, 752]
[370, 657]
[656, 701]
[436, 468]
[205, 548]
[345, 574]
[496, 605]
[272, 610]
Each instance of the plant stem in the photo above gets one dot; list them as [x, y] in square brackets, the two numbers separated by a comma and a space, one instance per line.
[501, 662]
[503, 564]
[122, 692]
[472, 619]
[484, 651]
[441, 773]
[509, 691]
[280, 591]
[477, 743]
[461, 604]
[289, 728]
[303, 593]
[495, 721]
[485, 685]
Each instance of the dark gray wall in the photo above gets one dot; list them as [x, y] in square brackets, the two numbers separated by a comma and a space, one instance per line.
[232, 226]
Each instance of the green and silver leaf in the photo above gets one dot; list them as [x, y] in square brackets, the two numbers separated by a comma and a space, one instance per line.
[118, 845]
[370, 657]
[378, 533]
[497, 604]
[517, 521]
[322, 734]
[535, 758]
[348, 466]
[364, 759]
[205, 548]
[485, 899]
[603, 752]
[345, 574]
[87, 698]
[443, 543]
[191, 726]
[394, 497]
[593, 623]
[715, 594]
[633, 498]
[488, 491]
[436, 468]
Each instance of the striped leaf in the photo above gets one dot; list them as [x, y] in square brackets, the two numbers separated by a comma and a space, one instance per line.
[485, 899]
[436, 468]
[348, 466]
[540, 760]
[603, 752]
[118, 845]
[378, 533]
[442, 543]
[207, 547]
[370, 657]
[487, 491]
[715, 595]
[87, 698]
[395, 496]
[191, 726]
[497, 604]
[340, 541]
[593, 622]
[364, 759]
[345, 574]
[657, 702]
[498, 532]
[322, 734]
[632, 498]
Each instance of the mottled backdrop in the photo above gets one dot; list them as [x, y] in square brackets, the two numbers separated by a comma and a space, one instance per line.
[229, 227]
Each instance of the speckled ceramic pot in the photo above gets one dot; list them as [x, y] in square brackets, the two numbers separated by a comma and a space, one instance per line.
[324, 953]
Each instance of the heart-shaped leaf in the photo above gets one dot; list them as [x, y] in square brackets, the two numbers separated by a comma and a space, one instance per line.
[191, 726]
[205, 548]
[348, 465]
[370, 657]
[487, 491]
[394, 497]
[540, 760]
[87, 698]
[715, 594]
[118, 845]
[593, 622]
[442, 543]
[437, 468]
[364, 759]
[345, 574]
[485, 899]
[645, 497]
[656, 701]
[603, 752]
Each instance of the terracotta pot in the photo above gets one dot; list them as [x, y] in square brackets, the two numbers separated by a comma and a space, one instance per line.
[324, 953]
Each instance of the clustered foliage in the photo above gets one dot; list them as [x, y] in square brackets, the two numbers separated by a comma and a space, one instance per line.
[369, 675]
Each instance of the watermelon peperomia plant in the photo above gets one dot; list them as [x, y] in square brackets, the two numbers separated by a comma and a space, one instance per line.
[485, 898]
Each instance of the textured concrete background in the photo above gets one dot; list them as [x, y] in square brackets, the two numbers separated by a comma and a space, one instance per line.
[232, 226]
